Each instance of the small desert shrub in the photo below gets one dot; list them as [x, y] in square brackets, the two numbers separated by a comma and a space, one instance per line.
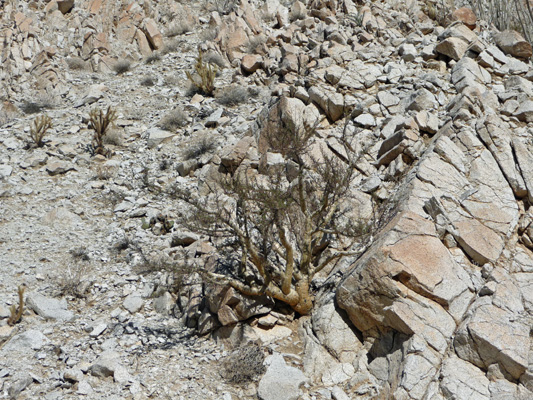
[203, 76]
[122, 66]
[171, 47]
[232, 95]
[205, 145]
[105, 172]
[75, 277]
[179, 29]
[76, 63]
[147, 81]
[254, 43]
[224, 7]
[173, 120]
[209, 34]
[100, 122]
[39, 128]
[80, 254]
[354, 19]
[39, 102]
[114, 137]
[244, 365]
[29, 107]
[214, 58]
[152, 58]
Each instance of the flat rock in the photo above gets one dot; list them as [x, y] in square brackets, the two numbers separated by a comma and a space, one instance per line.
[5, 170]
[133, 302]
[26, 341]
[95, 93]
[251, 63]
[59, 167]
[157, 136]
[524, 112]
[462, 380]
[49, 308]
[280, 382]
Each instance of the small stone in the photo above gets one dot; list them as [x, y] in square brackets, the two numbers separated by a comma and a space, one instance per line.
[157, 136]
[251, 63]
[5, 170]
[427, 122]
[133, 303]
[408, 52]
[65, 5]
[59, 167]
[164, 304]
[98, 329]
[213, 120]
[280, 382]
[84, 388]
[365, 120]
[452, 47]
[105, 365]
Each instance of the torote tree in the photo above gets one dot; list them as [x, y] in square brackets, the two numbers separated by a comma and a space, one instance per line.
[285, 224]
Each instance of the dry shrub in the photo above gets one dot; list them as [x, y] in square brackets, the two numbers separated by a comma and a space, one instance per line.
[173, 120]
[214, 58]
[152, 58]
[105, 172]
[179, 28]
[232, 95]
[76, 63]
[75, 277]
[505, 14]
[209, 34]
[147, 81]
[243, 365]
[196, 150]
[114, 137]
[171, 47]
[122, 66]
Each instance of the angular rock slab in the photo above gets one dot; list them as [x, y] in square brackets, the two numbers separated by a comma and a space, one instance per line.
[280, 382]
[493, 335]
[49, 308]
[463, 380]
[403, 283]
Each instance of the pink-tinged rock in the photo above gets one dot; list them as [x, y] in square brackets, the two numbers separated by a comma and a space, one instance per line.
[142, 42]
[511, 42]
[95, 6]
[153, 34]
[466, 16]
[126, 29]
[452, 47]
[479, 242]
[251, 63]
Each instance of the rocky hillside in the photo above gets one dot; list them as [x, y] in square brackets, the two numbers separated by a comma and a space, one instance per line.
[436, 304]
